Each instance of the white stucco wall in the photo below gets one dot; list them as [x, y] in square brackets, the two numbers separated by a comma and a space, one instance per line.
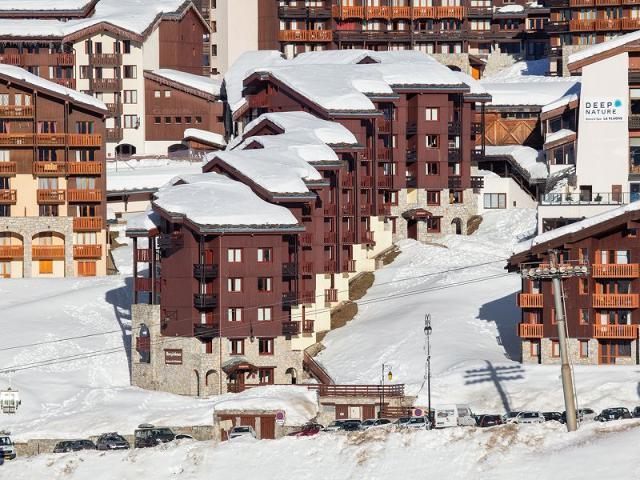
[237, 30]
[515, 196]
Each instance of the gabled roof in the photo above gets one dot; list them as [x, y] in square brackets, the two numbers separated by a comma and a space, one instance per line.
[199, 85]
[46, 8]
[620, 44]
[205, 137]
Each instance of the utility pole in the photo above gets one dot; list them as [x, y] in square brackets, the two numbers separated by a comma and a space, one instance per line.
[427, 332]
[385, 368]
[556, 273]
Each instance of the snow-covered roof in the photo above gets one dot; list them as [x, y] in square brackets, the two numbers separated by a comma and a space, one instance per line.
[330, 133]
[577, 226]
[603, 47]
[144, 221]
[205, 136]
[299, 403]
[211, 199]
[132, 15]
[529, 90]
[146, 174]
[199, 82]
[562, 101]
[335, 81]
[274, 169]
[475, 87]
[36, 5]
[510, 9]
[21, 74]
[559, 135]
[525, 157]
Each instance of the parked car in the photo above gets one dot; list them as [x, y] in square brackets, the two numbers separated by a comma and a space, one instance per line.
[454, 416]
[112, 441]
[417, 423]
[509, 417]
[374, 422]
[183, 436]
[350, 425]
[552, 416]
[636, 412]
[149, 436]
[584, 414]
[402, 421]
[242, 431]
[617, 413]
[488, 420]
[527, 417]
[7, 448]
[308, 430]
[334, 426]
[73, 446]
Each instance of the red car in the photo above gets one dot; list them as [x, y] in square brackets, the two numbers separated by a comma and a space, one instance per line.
[308, 430]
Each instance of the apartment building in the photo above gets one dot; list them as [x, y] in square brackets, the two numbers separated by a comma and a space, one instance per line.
[601, 307]
[102, 48]
[52, 179]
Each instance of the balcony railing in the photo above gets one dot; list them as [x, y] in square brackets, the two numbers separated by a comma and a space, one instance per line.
[614, 270]
[384, 125]
[329, 237]
[205, 300]
[331, 295]
[8, 168]
[205, 271]
[65, 82]
[87, 251]
[306, 239]
[330, 210]
[530, 300]
[16, 111]
[51, 139]
[608, 24]
[49, 168]
[349, 266]
[84, 140]
[348, 238]
[630, 23]
[366, 238]
[384, 209]
[49, 252]
[105, 59]
[84, 195]
[306, 267]
[330, 266]
[615, 331]
[615, 300]
[206, 330]
[307, 326]
[11, 58]
[621, 198]
[451, 12]
[51, 196]
[582, 25]
[378, 12]
[87, 224]
[348, 210]
[105, 84]
[290, 328]
[401, 12]
[66, 59]
[289, 269]
[289, 299]
[7, 197]
[424, 12]
[530, 330]
[305, 36]
[386, 181]
[11, 251]
[114, 134]
[84, 168]
[348, 12]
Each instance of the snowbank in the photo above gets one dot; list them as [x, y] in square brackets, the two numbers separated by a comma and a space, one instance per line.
[525, 157]
[199, 82]
[299, 403]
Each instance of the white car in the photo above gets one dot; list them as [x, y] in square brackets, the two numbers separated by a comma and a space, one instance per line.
[374, 422]
[418, 423]
[7, 448]
[242, 431]
[527, 417]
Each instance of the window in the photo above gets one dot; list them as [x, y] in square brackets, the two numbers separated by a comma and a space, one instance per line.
[554, 320]
[85, 155]
[265, 346]
[584, 316]
[85, 183]
[234, 284]
[433, 224]
[432, 168]
[583, 286]
[535, 348]
[264, 284]
[48, 210]
[390, 197]
[167, 120]
[156, 93]
[264, 314]
[130, 121]
[265, 375]
[455, 196]
[264, 255]
[187, 119]
[157, 120]
[584, 349]
[555, 349]
[583, 255]
[178, 119]
[130, 71]
[236, 346]
[45, 267]
[234, 314]
[431, 141]
[431, 114]
[495, 200]
[85, 71]
[47, 155]
[198, 119]
[167, 93]
[130, 96]
[234, 255]
[126, 46]
[433, 197]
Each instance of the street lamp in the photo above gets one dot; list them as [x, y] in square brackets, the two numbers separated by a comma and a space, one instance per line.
[427, 332]
[386, 368]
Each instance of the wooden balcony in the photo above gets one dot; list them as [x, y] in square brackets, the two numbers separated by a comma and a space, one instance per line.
[530, 330]
[65, 82]
[49, 252]
[424, 12]
[581, 3]
[348, 238]
[84, 140]
[115, 109]
[87, 224]
[347, 181]
[11, 59]
[65, 59]
[16, 139]
[205, 300]
[348, 210]
[612, 270]
[306, 267]
[619, 300]
[608, 24]
[51, 139]
[451, 12]
[16, 111]
[8, 197]
[582, 25]
[384, 125]
[306, 239]
[84, 195]
[366, 238]
[348, 12]
[329, 237]
[105, 84]
[401, 12]
[330, 210]
[54, 169]
[631, 23]
[378, 13]
[530, 300]
[305, 35]
[84, 168]
[307, 326]
[8, 168]
[629, 332]
[114, 134]
[331, 295]
[105, 59]
[8, 252]
[50, 197]
[330, 266]
[386, 182]
[349, 266]
[366, 181]
[87, 251]
[606, 3]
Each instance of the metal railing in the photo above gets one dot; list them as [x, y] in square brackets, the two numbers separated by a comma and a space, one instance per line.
[606, 198]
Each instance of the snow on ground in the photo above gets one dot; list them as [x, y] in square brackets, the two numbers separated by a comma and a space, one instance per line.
[91, 394]
[518, 70]
[474, 343]
[146, 174]
[527, 452]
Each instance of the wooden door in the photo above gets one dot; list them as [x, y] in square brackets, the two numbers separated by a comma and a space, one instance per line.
[412, 229]
[248, 420]
[341, 412]
[368, 411]
[268, 427]
[616, 193]
[605, 353]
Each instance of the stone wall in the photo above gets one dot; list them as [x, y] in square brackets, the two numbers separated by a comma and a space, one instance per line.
[497, 61]
[574, 353]
[569, 50]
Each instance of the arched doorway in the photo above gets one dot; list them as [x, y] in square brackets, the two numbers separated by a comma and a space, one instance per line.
[211, 382]
[48, 254]
[197, 383]
[293, 375]
[11, 255]
[456, 226]
[177, 148]
[125, 150]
